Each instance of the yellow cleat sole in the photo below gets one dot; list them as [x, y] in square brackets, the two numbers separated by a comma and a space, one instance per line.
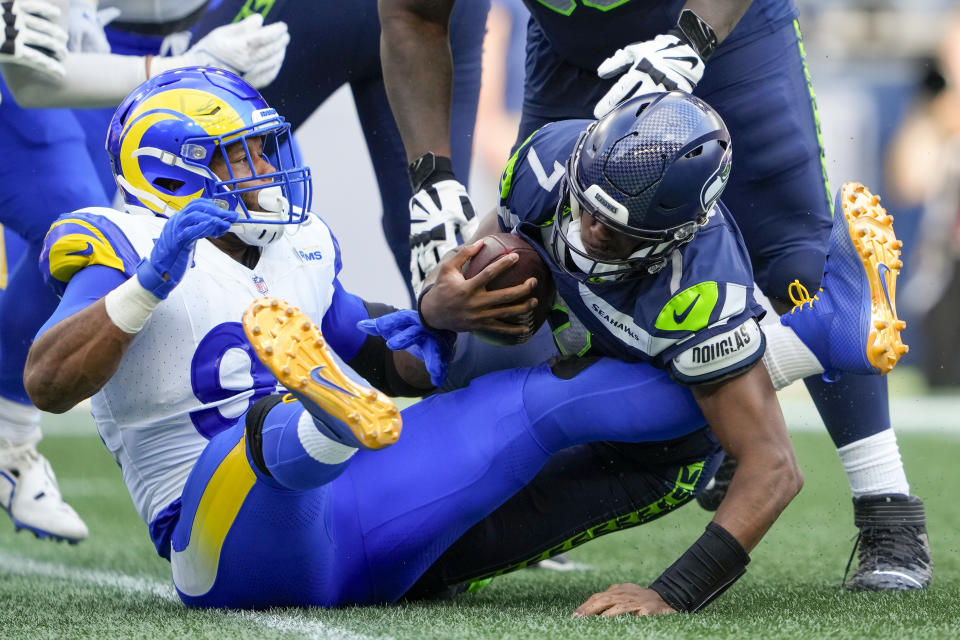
[292, 347]
[871, 230]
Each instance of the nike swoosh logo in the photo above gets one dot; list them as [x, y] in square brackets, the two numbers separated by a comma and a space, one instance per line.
[315, 376]
[683, 316]
[83, 252]
[899, 574]
[693, 61]
[882, 270]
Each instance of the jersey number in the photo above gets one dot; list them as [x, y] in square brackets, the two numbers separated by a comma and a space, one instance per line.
[226, 342]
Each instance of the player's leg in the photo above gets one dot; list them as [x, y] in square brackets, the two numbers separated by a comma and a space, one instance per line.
[255, 522]
[779, 198]
[52, 175]
[583, 492]
[462, 453]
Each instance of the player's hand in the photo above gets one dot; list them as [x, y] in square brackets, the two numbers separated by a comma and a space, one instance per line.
[173, 250]
[441, 218]
[32, 37]
[403, 332]
[247, 48]
[85, 26]
[666, 63]
[458, 304]
[624, 598]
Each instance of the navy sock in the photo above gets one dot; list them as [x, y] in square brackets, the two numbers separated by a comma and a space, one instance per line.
[853, 407]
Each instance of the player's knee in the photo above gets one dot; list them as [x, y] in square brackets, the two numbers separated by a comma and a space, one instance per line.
[805, 266]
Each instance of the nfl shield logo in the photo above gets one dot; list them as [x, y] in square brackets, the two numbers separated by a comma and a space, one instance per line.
[261, 284]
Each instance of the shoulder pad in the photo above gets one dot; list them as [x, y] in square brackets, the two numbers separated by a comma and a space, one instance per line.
[80, 239]
[690, 309]
[720, 355]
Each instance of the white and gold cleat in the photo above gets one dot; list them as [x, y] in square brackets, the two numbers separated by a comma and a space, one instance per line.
[293, 348]
[851, 324]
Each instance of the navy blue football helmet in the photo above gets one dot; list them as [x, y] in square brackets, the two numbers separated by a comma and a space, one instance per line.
[652, 169]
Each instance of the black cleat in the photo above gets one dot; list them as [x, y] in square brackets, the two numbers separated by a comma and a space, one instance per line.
[894, 551]
[716, 490]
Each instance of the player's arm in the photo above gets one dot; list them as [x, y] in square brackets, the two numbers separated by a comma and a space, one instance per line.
[721, 15]
[79, 348]
[107, 300]
[418, 75]
[418, 71]
[744, 414]
[396, 372]
[90, 79]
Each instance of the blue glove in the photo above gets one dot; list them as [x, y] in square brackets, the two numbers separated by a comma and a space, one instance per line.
[173, 250]
[403, 332]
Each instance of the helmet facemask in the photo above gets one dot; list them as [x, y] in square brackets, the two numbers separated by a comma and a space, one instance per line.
[648, 258]
[265, 206]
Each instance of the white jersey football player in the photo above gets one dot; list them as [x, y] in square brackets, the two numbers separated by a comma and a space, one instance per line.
[208, 375]
[54, 53]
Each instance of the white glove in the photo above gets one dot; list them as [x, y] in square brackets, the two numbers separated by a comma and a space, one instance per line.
[247, 48]
[441, 218]
[85, 25]
[665, 63]
[32, 38]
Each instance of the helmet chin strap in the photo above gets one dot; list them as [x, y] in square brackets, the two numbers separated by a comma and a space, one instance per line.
[274, 206]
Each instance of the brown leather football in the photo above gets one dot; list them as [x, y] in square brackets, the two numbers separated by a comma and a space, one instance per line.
[529, 265]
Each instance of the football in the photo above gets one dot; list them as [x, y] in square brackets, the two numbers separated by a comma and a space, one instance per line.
[529, 265]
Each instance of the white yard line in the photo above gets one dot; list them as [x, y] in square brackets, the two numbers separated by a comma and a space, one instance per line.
[286, 622]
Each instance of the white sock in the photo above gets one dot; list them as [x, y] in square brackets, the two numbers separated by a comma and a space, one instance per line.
[787, 359]
[19, 422]
[318, 446]
[873, 465]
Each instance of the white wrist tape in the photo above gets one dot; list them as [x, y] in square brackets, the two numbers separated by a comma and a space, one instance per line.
[130, 305]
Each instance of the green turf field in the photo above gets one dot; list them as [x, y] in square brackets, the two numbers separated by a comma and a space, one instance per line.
[114, 586]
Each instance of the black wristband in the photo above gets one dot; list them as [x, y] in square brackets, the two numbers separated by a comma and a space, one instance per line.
[429, 169]
[713, 563]
[423, 321]
[698, 33]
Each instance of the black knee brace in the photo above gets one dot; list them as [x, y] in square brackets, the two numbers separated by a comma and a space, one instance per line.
[254, 431]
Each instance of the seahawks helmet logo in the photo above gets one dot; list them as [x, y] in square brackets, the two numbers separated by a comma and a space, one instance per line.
[715, 184]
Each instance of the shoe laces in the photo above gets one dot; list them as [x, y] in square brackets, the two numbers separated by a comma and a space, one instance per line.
[799, 296]
[898, 545]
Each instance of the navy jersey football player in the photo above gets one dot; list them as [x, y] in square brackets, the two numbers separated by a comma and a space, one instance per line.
[746, 59]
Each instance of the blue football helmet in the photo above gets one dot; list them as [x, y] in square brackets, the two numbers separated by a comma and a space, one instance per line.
[165, 134]
[652, 169]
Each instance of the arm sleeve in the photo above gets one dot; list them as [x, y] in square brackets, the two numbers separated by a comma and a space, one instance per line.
[339, 324]
[85, 287]
[367, 355]
[91, 80]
